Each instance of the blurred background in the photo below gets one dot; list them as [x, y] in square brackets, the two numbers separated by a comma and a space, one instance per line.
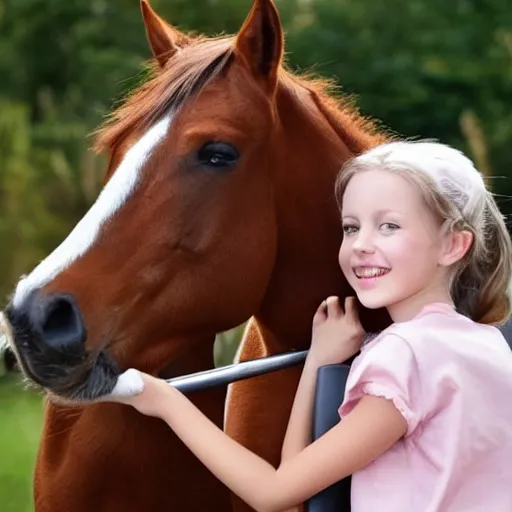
[424, 68]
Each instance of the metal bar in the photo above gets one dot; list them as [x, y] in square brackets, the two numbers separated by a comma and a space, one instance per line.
[235, 372]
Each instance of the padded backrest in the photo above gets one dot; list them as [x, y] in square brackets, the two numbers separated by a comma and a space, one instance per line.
[506, 330]
[330, 389]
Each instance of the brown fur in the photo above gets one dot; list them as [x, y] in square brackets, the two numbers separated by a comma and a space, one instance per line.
[195, 252]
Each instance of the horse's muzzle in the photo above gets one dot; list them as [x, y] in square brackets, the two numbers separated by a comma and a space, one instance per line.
[48, 337]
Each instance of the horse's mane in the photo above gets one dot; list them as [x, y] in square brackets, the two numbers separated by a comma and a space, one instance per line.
[167, 90]
[200, 62]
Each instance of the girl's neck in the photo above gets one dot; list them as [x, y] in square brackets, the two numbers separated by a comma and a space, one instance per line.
[408, 308]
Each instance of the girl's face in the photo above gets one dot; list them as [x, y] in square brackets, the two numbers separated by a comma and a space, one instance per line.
[392, 246]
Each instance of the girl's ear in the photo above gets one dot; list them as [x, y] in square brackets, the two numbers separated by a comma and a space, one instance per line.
[456, 246]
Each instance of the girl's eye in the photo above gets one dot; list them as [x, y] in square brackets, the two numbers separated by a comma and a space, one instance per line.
[349, 229]
[389, 227]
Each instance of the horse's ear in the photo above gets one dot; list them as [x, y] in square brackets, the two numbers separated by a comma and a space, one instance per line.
[164, 40]
[260, 42]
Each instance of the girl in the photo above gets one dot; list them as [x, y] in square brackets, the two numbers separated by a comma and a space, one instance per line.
[427, 414]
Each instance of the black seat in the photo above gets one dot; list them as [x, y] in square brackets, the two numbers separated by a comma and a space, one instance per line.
[506, 330]
[330, 389]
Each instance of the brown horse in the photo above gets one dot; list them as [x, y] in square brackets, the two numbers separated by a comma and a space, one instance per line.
[218, 207]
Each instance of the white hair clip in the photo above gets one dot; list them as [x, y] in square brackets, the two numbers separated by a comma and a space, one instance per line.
[454, 193]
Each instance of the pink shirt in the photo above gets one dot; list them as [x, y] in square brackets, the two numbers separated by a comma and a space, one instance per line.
[451, 378]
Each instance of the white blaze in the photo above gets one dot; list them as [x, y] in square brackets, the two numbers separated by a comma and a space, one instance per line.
[117, 191]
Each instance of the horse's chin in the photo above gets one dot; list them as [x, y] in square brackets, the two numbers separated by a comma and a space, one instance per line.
[95, 381]
[71, 376]
[87, 384]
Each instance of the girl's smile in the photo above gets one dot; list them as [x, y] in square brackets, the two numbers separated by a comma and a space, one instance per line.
[368, 276]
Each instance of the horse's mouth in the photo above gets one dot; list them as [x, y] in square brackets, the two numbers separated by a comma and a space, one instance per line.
[75, 375]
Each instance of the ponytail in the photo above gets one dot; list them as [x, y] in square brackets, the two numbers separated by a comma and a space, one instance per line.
[481, 291]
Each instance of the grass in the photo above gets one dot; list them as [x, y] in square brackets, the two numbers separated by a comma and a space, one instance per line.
[21, 415]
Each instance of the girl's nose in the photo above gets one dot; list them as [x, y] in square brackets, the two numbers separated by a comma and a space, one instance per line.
[363, 243]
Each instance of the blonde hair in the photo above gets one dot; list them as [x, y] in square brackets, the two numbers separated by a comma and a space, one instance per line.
[455, 191]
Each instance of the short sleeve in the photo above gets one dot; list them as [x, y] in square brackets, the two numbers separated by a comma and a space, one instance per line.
[386, 368]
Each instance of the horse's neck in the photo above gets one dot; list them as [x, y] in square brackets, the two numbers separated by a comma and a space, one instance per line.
[315, 146]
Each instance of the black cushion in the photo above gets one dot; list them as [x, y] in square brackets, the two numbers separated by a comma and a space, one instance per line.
[330, 389]
[506, 330]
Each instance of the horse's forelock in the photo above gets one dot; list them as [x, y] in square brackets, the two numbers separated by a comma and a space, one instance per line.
[169, 88]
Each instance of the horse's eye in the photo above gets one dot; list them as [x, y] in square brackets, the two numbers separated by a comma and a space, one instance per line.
[218, 155]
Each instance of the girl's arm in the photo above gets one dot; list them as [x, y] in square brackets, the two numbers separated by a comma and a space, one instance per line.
[336, 336]
[298, 433]
[372, 427]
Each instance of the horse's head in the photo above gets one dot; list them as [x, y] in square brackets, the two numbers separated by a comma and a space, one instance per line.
[218, 203]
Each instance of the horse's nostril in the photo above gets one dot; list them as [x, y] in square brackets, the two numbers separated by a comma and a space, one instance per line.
[61, 325]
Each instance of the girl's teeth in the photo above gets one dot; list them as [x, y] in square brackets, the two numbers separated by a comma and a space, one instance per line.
[371, 272]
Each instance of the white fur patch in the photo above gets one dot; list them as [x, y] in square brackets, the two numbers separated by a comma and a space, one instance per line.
[128, 384]
[115, 194]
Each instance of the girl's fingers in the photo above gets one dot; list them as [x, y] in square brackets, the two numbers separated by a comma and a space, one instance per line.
[350, 305]
[333, 307]
[351, 309]
[321, 313]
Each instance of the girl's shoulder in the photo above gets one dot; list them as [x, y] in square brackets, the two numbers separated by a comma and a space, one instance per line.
[439, 334]
[440, 320]
[423, 362]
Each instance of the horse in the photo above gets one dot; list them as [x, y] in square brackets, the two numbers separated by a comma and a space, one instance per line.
[218, 208]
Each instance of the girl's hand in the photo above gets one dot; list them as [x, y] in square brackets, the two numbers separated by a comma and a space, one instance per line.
[337, 334]
[146, 393]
